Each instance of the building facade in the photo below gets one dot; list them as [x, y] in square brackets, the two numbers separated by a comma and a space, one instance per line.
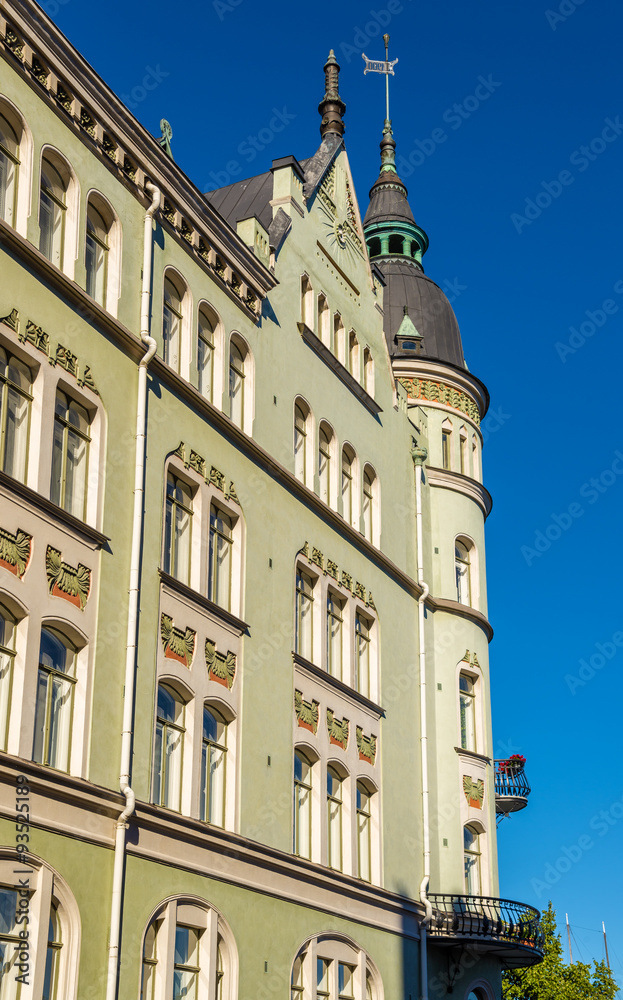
[245, 735]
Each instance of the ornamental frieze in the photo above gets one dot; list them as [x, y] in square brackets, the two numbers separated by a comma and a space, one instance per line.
[15, 551]
[221, 666]
[60, 355]
[366, 746]
[419, 388]
[177, 645]
[341, 577]
[307, 712]
[474, 791]
[338, 730]
[211, 474]
[71, 583]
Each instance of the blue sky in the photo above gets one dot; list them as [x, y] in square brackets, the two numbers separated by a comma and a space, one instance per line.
[520, 190]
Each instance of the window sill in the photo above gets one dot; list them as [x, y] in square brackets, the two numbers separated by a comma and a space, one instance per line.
[342, 373]
[473, 755]
[205, 603]
[339, 686]
[57, 514]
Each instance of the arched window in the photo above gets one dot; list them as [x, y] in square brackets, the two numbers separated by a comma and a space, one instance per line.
[303, 635]
[174, 292]
[213, 766]
[188, 952]
[15, 400]
[178, 529]
[206, 350]
[462, 572]
[55, 179]
[54, 700]
[338, 338]
[307, 302]
[396, 244]
[302, 805]
[369, 509]
[364, 832]
[221, 548]
[374, 247]
[335, 635]
[446, 445]
[333, 967]
[7, 664]
[334, 818]
[325, 479]
[9, 167]
[238, 352]
[302, 445]
[467, 703]
[100, 221]
[324, 318]
[471, 851]
[169, 748]
[353, 356]
[348, 492]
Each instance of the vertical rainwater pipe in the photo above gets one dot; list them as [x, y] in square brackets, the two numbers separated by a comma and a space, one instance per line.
[419, 456]
[133, 601]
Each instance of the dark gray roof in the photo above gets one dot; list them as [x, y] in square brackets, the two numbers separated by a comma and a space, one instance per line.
[245, 199]
[429, 310]
[388, 201]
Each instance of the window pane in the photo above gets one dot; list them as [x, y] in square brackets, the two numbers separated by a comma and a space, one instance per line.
[96, 255]
[60, 720]
[171, 337]
[16, 435]
[8, 172]
[205, 355]
[302, 806]
[75, 474]
[173, 768]
[304, 612]
[56, 487]
[334, 637]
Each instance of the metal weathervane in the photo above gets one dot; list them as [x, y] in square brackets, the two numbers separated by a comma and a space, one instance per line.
[378, 66]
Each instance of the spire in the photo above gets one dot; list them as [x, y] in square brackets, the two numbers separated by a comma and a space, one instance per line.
[388, 149]
[331, 107]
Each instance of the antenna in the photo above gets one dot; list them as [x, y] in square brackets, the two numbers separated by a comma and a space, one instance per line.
[569, 939]
[605, 944]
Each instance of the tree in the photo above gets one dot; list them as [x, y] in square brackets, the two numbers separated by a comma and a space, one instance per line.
[553, 979]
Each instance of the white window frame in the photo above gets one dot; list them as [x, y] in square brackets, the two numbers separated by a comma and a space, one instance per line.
[69, 250]
[23, 179]
[247, 407]
[335, 949]
[112, 285]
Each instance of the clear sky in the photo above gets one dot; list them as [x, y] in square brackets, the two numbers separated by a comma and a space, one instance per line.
[518, 181]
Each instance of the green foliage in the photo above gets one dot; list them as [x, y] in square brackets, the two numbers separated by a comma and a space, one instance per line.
[553, 979]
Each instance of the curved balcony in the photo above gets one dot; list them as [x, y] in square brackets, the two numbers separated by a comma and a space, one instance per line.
[511, 788]
[512, 930]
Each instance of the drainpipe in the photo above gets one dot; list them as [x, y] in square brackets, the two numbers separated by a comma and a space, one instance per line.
[419, 456]
[133, 598]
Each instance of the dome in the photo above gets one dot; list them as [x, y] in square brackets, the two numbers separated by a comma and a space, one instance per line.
[428, 309]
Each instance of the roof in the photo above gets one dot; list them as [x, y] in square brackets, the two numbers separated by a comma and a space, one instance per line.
[245, 199]
[388, 201]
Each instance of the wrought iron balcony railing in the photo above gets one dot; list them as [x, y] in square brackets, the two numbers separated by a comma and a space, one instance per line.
[511, 788]
[490, 924]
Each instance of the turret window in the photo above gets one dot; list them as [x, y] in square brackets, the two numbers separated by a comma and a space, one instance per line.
[462, 569]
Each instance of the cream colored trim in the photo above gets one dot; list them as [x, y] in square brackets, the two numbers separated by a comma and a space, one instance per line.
[460, 484]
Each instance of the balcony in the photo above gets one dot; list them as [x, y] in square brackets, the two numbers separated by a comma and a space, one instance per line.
[511, 788]
[510, 930]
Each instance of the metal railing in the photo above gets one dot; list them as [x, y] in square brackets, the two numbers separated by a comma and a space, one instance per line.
[512, 783]
[500, 921]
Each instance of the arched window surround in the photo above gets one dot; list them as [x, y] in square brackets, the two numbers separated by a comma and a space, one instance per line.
[72, 206]
[371, 505]
[25, 167]
[236, 340]
[304, 438]
[466, 572]
[179, 358]
[112, 289]
[335, 949]
[351, 512]
[216, 394]
[327, 464]
[477, 696]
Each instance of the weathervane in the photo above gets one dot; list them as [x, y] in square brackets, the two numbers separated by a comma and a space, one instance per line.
[378, 66]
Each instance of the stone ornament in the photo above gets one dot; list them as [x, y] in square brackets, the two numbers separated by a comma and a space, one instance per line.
[15, 551]
[221, 666]
[177, 645]
[307, 712]
[338, 730]
[73, 585]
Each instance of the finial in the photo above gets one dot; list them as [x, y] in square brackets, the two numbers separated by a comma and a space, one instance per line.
[332, 107]
[165, 138]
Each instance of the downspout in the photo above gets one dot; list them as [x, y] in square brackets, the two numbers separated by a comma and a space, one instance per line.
[133, 600]
[419, 456]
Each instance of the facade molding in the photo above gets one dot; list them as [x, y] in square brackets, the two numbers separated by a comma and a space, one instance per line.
[461, 484]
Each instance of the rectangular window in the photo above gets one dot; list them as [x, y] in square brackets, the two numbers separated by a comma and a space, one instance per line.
[221, 542]
[334, 817]
[445, 449]
[54, 701]
[213, 767]
[70, 456]
[15, 400]
[463, 448]
[346, 981]
[178, 529]
[300, 443]
[324, 465]
[302, 806]
[205, 358]
[364, 854]
[7, 657]
[467, 707]
[9, 945]
[304, 615]
[347, 487]
[169, 745]
[186, 966]
[362, 655]
[335, 633]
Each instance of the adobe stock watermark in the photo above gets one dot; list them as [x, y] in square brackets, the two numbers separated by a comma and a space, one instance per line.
[379, 20]
[591, 491]
[249, 148]
[595, 320]
[563, 13]
[453, 116]
[152, 79]
[601, 824]
[580, 158]
[493, 422]
[606, 651]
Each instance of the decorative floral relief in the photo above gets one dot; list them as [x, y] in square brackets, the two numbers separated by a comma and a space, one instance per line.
[437, 391]
[211, 475]
[344, 579]
[66, 581]
[178, 645]
[221, 666]
[307, 712]
[337, 730]
[15, 551]
[366, 746]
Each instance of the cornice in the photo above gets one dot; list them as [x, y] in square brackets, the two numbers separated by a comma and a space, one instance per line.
[463, 611]
[336, 366]
[95, 97]
[240, 627]
[41, 505]
[333, 683]
[457, 378]
[460, 484]
[472, 755]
